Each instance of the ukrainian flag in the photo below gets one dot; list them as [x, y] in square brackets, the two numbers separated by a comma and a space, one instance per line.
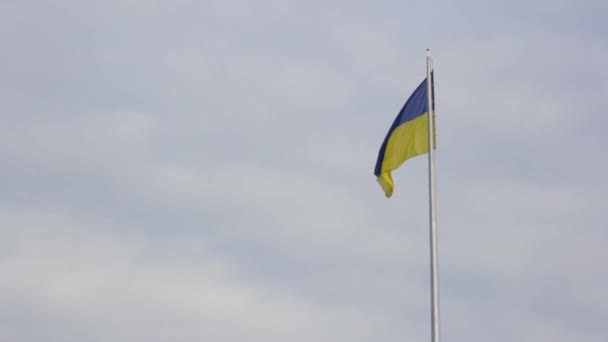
[407, 137]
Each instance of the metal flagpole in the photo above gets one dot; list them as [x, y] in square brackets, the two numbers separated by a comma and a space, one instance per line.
[432, 213]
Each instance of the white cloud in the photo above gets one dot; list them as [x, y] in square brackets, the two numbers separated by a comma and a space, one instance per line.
[106, 285]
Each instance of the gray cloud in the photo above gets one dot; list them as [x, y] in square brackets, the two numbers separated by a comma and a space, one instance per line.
[204, 171]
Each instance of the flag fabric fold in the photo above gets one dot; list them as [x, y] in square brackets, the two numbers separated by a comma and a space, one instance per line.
[407, 137]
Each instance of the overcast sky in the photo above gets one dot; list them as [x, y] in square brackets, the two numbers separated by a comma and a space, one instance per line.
[203, 171]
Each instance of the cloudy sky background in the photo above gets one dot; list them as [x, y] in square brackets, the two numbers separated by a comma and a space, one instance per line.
[203, 171]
